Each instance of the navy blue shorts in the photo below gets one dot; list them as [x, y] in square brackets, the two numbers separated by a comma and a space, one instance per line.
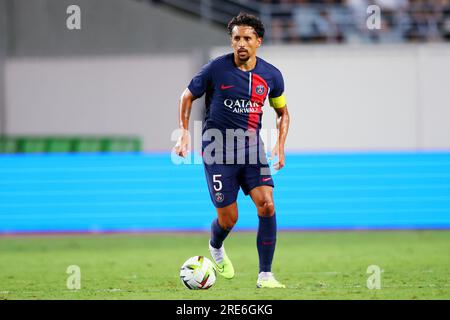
[224, 180]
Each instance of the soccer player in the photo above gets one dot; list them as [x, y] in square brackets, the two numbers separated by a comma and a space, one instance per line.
[236, 87]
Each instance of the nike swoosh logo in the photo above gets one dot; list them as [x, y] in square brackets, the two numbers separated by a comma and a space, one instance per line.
[266, 179]
[224, 87]
[220, 269]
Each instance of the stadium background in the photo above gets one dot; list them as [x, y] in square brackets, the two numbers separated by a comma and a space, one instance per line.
[87, 120]
[87, 116]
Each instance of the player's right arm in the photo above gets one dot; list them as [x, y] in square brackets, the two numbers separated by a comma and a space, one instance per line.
[196, 88]
[184, 108]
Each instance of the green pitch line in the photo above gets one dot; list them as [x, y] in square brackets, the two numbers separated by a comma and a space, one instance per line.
[320, 265]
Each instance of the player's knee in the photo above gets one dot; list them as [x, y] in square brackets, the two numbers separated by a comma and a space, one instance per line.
[266, 208]
[228, 222]
[233, 221]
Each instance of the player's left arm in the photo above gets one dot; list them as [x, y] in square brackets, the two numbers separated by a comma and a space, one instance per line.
[277, 101]
[283, 128]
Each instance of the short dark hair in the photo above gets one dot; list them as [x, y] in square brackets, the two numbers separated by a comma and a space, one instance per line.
[245, 19]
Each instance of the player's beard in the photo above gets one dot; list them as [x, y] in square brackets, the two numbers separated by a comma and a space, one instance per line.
[243, 58]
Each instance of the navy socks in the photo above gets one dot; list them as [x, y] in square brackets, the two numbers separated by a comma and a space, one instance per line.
[218, 234]
[265, 241]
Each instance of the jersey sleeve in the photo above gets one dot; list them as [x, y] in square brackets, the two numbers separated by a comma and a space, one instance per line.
[201, 81]
[276, 95]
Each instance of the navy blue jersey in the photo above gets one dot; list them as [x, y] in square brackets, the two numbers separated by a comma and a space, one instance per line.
[235, 98]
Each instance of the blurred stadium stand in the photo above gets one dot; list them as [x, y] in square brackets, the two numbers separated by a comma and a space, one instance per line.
[331, 21]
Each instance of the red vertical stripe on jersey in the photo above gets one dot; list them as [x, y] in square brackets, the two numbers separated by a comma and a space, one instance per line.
[257, 97]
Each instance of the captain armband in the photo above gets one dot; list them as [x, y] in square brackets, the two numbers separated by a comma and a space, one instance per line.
[278, 102]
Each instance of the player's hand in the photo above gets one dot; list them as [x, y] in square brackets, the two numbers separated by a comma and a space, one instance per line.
[278, 151]
[182, 145]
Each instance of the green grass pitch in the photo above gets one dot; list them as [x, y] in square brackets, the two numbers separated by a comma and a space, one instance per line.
[313, 265]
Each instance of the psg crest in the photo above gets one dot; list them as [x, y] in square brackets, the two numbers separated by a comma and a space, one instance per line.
[219, 196]
[259, 89]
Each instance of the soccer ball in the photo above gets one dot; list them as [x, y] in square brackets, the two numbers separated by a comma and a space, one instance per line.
[198, 273]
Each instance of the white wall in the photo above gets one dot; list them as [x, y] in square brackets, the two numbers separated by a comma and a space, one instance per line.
[38, 28]
[3, 42]
[434, 97]
[135, 95]
[339, 97]
[364, 97]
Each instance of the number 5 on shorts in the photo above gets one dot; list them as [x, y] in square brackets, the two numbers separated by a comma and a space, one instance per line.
[216, 180]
